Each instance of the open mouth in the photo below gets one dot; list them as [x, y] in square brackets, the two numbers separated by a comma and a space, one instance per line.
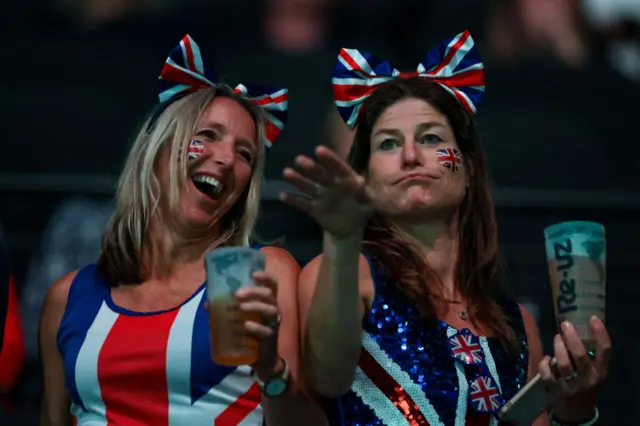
[208, 185]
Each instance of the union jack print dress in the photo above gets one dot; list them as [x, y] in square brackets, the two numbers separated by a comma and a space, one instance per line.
[131, 369]
[415, 372]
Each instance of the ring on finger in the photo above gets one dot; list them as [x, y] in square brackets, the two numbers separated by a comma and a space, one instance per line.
[318, 190]
[275, 323]
[572, 376]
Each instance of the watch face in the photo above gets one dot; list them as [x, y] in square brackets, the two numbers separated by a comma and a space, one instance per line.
[275, 387]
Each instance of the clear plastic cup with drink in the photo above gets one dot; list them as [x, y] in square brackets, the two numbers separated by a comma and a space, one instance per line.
[228, 270]
[576, 256]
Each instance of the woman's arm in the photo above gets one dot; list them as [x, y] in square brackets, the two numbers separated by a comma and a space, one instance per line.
[56, 401]
[335, 287]
[333, 292]
[535, 355]
[293, 408]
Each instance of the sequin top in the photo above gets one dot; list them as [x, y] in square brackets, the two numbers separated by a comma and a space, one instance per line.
[411, 371]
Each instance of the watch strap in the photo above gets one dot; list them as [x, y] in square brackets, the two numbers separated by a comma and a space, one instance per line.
[283, 375]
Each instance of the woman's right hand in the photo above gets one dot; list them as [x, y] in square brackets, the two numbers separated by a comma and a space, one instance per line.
[336, 196]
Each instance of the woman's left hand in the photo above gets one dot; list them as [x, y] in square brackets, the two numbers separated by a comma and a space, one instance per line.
[262, 299]
[575, 379]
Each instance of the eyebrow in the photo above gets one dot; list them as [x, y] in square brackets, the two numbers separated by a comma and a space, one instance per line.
[420, 127]
[223, 129]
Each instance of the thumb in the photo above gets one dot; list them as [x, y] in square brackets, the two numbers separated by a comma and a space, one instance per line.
[364, 195]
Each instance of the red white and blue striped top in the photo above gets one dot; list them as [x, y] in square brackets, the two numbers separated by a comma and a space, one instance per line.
[130, 368]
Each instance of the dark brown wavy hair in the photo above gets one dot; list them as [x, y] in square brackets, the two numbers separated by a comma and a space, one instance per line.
[479, 274]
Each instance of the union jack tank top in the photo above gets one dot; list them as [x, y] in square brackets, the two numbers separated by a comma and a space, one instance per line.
[418, 372]
[131, 369]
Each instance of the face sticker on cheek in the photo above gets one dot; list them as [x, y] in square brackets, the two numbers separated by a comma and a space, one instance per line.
[449, 158]
[195, 150]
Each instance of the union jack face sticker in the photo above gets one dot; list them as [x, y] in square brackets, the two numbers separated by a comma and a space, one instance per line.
[465, 347]
[484, 395]
[449, 158]
[195, 150]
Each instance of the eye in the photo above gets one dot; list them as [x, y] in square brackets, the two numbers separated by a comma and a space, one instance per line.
[387, 144]
[247, 155]
[430, 138]
[209, 134]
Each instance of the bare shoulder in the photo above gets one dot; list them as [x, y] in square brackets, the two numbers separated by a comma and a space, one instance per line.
[533, 341]
[530, 326]
[55, 404]
[279, 258]
[55, 300]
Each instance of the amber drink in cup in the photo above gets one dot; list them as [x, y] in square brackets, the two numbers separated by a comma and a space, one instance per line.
[228, 270]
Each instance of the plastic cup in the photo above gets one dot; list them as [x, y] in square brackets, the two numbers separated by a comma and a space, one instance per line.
[228, 270]
[576, 256]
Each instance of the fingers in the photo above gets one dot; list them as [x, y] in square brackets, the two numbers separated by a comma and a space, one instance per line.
[574, 371]
[303, 204]
[576, 349]
[333, 163]
[260, 300]
[563, 361]
[267, 280]
[545, 369]
[330, 170]
[314, 171]
[603, 346]
[267, 311]
[259, 330]
[304, 184]
[364, 195]
[256, 293]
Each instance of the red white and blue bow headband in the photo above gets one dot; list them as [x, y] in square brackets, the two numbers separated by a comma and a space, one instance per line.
[184, 72]
[454, 64]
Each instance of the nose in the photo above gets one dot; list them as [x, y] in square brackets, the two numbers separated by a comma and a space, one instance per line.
[223, 153]
[411, 154]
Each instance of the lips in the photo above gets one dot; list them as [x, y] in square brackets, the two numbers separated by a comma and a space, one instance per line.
[417, 176]
[208, 185]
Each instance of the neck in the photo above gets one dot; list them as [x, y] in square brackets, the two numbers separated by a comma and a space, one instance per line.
[166, 254]
[439, 243]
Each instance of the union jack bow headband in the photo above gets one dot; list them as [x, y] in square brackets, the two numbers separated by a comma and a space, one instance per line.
[184, 72]
[455, 65]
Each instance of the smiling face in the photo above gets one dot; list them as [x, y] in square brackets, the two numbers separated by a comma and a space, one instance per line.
[415, 166]
[220, 159]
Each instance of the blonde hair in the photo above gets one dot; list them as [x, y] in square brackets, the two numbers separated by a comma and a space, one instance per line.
[139, 191]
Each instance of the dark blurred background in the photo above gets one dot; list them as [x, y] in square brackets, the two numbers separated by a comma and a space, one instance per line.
[560, 123]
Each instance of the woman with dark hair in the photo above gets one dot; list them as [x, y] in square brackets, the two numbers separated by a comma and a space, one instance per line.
[418, 327]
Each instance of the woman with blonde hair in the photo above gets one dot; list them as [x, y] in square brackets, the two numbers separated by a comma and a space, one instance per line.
[405, 317]
[126, 341]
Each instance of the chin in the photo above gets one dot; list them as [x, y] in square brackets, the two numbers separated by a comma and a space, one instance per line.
[417, 200]
[201, 216]
[422, 209]
[197, 219]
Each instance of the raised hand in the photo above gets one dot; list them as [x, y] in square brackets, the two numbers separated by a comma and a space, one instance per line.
[576, 378]
[334, 194]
